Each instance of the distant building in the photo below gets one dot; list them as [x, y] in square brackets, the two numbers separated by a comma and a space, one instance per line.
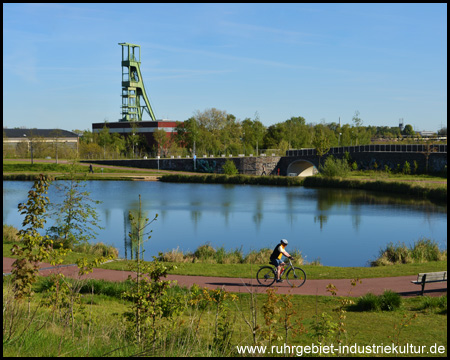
[13, 137]
[425, 133]
[145, 128]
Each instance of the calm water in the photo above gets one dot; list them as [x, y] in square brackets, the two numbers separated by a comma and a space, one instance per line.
[341, 227]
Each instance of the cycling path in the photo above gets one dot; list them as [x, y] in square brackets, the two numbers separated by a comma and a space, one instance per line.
[376, 286]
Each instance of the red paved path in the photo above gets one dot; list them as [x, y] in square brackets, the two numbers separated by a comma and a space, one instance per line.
[400, 284]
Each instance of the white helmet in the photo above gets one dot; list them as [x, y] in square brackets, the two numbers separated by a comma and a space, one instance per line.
[284, 241]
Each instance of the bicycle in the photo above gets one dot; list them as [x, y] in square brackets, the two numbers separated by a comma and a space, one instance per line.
[295, 276]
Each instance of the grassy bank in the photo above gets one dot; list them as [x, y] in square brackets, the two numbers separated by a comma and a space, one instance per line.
[207, 261]
[431, 191]
[233, 179]
[16, 170]
[248, 271]
[425, 188]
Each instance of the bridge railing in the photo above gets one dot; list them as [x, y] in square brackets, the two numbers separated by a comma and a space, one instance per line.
[373, 148]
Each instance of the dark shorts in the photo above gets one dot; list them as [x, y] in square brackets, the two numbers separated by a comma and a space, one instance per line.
[276, 262]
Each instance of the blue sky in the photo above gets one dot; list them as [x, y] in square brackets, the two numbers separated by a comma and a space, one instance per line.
[61, 62]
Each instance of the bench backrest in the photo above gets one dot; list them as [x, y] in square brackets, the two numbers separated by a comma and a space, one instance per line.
[433, 276]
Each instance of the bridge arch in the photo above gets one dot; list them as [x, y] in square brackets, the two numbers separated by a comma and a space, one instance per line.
[301, 168]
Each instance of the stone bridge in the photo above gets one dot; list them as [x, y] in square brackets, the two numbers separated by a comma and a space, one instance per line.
[304, 162]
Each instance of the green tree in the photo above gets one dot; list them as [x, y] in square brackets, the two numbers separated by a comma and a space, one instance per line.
[149, 304]
[76, 217]
[134, 139]
[357, 121]
[295, 132]
[230, 136]
[274, 135]
[321, 142]
[33, 247]
[408, 130]
[161, 139]
[187, 133]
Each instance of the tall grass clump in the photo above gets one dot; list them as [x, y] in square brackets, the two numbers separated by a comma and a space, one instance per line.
[423, 250]
[437, 304]
[98, 249]
[206, 253]
[176, 256]
[258, 257]
[89, 286]
[388, 301]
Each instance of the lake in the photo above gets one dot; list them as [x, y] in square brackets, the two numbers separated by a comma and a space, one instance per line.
[339, 227]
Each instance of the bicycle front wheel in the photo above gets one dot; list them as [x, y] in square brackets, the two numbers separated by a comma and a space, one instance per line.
[266, 276]
[296, 277]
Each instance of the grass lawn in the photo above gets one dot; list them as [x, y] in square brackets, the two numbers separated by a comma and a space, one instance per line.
[100, 327]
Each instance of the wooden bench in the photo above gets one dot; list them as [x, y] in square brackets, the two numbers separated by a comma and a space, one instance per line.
[424, 278]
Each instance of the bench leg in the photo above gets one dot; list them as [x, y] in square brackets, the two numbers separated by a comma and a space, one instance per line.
[423, 288]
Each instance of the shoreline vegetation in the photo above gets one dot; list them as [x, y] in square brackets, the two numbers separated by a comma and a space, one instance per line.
[393, 260]
[432, 188]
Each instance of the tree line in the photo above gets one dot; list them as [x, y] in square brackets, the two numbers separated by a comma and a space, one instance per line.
[216, 132]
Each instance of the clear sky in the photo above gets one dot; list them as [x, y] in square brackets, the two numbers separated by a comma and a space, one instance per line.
[62, 62]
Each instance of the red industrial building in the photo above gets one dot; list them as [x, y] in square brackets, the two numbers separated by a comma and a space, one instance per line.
[145, 128]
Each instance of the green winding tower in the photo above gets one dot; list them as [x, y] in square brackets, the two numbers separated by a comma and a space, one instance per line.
[133, 85]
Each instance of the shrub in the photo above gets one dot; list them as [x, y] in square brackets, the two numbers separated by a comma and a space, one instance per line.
[229, 168]
[334, 167]
[406, 168]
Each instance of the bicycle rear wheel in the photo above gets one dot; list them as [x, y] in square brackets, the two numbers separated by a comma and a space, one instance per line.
[296, 277]
[266, 276]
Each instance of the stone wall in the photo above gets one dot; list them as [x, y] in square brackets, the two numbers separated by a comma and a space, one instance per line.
[271, 164]
[245, 165]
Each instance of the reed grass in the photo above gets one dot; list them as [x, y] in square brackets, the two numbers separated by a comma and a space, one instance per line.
[207, 254]
[98, 249]
[422, 251]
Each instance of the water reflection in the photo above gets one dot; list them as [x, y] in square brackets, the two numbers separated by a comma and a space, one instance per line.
[343, 228]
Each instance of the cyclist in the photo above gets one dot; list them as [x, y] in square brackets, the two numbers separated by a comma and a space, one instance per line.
[275, 258]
